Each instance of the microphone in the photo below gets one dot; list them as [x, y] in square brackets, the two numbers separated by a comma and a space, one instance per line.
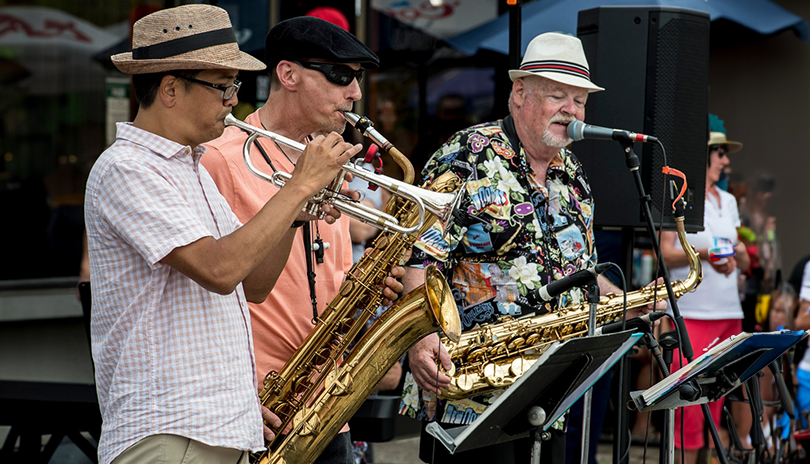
[578, 130]
[577, 279]
[641, 322]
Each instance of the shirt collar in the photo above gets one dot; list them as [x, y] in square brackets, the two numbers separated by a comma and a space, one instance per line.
[160, 145]
[557, 167]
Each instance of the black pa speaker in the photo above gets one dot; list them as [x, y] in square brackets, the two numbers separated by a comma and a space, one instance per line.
[654, 65]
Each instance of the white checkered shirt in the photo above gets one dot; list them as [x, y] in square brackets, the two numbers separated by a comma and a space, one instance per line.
[171, 357]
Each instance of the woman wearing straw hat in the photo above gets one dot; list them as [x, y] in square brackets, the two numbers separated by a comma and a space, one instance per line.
[713, 312]
[171, 266]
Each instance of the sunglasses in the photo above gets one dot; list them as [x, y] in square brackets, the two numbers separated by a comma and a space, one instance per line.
[228, 91]
[339, 74]
[720, 149]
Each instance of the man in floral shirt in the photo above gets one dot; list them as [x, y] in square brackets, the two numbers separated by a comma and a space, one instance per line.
[527, 220]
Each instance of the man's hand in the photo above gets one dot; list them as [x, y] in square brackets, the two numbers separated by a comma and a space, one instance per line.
[332, 213]
[271, 419]
[393, 287]
[422, 359]
[659, 305]
[321, 161]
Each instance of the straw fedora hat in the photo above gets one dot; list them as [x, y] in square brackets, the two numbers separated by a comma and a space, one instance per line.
[558, 57]
[184, 37]
[719, 138]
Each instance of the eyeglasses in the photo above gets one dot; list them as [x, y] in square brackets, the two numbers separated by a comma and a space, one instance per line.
[720, 149]
[339, 74]
[228, 91]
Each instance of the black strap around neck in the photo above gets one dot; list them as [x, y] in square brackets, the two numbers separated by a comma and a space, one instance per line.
[310, 272]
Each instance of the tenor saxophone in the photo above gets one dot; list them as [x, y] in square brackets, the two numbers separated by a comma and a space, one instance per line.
[325, 382]
[496, 355]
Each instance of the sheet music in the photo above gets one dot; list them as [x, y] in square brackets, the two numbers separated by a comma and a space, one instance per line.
[697, 365]
[726, 350]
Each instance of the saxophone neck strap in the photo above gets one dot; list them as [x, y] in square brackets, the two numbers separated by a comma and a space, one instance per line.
[310, 272]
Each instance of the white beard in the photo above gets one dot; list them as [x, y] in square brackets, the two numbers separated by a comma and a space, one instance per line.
[557, 142]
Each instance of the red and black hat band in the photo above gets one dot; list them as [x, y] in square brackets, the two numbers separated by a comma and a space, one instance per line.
[564, 67]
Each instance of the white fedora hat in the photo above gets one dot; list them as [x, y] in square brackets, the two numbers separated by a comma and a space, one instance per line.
[558, 57]
[185, 37]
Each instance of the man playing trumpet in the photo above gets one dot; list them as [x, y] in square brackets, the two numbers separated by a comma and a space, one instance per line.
[171, 265]
[315, 69]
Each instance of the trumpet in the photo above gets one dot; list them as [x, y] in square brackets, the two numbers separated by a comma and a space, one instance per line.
[439, 204]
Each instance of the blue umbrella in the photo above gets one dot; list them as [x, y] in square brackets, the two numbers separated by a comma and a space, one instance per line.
[541, 16]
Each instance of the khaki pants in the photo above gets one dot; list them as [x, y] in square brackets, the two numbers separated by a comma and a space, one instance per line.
[173, 449]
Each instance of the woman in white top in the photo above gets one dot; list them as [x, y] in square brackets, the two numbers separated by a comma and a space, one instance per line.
[713, 312]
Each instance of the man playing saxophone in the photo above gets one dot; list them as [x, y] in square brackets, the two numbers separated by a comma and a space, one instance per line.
[171, 265]
[528, 221]
[315, 69]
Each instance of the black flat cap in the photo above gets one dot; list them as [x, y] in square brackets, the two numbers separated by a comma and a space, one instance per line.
[307, 37]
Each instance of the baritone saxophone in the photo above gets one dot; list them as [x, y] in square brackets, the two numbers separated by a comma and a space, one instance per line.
[496, 355]
[326, 380]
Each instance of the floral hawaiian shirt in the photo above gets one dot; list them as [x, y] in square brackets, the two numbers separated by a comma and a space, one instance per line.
[513, 236]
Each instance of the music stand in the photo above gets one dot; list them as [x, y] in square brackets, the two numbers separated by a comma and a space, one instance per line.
[718, 371]
[540, 396]
[714, 374]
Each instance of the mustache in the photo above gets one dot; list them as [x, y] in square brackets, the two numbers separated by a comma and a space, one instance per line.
[562, 118]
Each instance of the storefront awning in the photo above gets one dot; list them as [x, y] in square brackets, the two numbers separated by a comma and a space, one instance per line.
[541, 16]
[447, 19]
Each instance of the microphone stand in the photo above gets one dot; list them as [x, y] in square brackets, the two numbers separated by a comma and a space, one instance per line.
[593, 304]
[686, 346]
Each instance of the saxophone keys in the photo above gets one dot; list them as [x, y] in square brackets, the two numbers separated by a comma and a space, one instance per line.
[465, 382]
[533, 339]
[475, 355]
[301, 384]
[346, 288]
[519, 366]
[496, 375]
[339, 381]
[498, 349]
[516, 343]
[306, 422]
[283, 411]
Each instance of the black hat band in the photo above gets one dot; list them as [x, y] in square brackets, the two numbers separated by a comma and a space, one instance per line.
[184, 44]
